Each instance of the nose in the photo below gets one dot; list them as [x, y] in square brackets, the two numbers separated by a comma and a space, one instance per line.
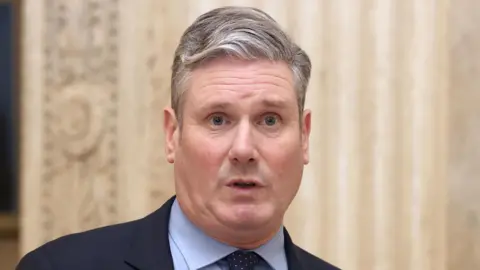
[243, 149]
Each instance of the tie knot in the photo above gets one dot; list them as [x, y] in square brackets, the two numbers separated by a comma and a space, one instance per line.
[242, 260]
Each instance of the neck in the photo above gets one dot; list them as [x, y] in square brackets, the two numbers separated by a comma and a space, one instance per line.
[243, 239]
[234, 236]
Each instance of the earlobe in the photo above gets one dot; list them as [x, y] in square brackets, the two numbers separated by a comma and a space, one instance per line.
[306, 128]
[170, 126]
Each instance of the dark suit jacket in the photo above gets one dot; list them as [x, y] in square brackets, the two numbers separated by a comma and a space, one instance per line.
[142, 245]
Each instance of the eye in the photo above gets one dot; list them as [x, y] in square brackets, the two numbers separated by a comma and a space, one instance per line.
[217, 120]
[270, 120]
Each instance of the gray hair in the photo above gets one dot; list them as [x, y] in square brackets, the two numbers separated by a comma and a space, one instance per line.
[244, 33]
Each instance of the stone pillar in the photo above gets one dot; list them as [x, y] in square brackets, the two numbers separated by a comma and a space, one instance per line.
[373, 196]
[96, 78]
[464, 137]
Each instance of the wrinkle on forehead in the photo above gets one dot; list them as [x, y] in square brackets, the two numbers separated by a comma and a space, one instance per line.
[245, 77]
[237, 72]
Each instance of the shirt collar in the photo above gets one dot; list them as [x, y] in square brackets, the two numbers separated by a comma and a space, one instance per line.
[200, 250]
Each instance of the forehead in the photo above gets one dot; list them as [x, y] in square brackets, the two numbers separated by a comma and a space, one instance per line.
[241, 79]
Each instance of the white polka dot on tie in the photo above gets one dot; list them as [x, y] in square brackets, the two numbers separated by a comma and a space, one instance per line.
[246, 260]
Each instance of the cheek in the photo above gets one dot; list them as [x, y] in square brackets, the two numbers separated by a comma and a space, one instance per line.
[285, 161]
[204, 156]
[283, 151]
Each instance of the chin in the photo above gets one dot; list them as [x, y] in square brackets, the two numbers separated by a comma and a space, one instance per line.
[248, 216]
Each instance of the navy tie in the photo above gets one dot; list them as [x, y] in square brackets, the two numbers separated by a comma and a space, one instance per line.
[242, 260]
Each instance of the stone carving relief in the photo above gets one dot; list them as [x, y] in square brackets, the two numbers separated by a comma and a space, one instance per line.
[80, 115]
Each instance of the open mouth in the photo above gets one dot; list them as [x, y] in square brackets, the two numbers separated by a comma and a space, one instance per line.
[244, 184]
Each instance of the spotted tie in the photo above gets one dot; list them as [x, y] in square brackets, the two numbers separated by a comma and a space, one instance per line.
[242, 260]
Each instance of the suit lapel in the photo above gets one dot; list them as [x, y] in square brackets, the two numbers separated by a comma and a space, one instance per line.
[293, 260]
[150, 248]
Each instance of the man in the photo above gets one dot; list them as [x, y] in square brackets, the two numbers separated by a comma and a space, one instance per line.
[237, 136]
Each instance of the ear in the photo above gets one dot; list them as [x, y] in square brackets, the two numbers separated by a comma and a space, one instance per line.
[306, 127]
[170, 128]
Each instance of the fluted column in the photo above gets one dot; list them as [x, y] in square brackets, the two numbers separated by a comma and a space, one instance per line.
[464, 137]
[374, 194]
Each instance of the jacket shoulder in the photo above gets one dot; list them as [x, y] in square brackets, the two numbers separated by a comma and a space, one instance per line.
[83, 250]
[310, 261]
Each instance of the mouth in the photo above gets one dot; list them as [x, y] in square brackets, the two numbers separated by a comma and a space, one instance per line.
[244, 184]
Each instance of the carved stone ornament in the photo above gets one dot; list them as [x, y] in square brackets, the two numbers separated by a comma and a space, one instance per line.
[80, 101]
[78, 119]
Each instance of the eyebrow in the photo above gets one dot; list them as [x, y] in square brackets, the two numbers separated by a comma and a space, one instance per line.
[216, 105]
[223, 105]
[274, 103]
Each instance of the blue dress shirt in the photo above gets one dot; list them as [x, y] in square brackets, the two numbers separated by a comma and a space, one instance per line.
[194, 250]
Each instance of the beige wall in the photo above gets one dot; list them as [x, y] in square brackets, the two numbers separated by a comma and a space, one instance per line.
[464, 165]
[95, 80]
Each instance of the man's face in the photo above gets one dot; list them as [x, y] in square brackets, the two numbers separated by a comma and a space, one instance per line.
[239, 155]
